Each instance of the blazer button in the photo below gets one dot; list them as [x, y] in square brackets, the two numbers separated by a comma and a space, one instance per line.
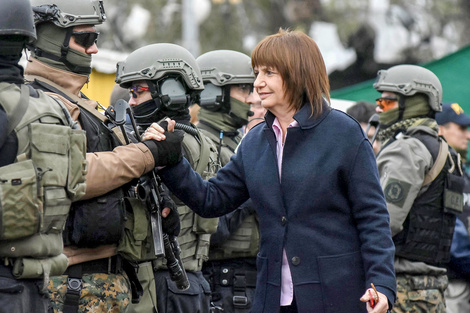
[283, 220]
[296, 260]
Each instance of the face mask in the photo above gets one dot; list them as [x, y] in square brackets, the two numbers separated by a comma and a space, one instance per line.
[50, 40]
[239, 109]
[388, 117]
[415, 106]
[147, 112]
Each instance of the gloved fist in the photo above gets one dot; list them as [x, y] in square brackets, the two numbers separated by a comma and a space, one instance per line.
[168, 151]
[171, 223]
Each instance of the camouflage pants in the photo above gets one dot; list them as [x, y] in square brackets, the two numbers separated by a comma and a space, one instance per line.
[420, 294]
[101, 293]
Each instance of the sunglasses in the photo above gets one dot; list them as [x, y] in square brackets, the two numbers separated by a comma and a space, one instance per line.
[85, 39]
[386, 103]
[135, 91]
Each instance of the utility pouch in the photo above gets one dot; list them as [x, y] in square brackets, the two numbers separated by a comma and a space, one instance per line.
[50, 145]
[136, 244]
[205, 225]
[28, 268]
[97, 221]
[20, 206]
[35, 246]
[78, 165]
[453, 193]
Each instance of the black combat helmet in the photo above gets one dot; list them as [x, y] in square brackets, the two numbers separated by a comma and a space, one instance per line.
[16, 26]
[16, 18]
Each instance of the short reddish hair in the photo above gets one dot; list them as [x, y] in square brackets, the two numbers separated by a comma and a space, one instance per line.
[299, 61]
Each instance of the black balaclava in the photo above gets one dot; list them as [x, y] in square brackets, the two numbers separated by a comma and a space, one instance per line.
[153, 110]
[10, 55]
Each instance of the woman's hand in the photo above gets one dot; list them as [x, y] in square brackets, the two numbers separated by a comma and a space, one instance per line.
[157, 132]
[380, 306]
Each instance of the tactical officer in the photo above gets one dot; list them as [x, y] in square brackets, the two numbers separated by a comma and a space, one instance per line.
[422, 180]
[228, 82]
[42, 170]
[453, 126]
[164, 80]
[60, 63]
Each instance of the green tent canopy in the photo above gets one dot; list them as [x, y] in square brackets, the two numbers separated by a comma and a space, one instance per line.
[452, 70]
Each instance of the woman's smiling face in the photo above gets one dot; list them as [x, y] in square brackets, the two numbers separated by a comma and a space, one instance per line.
[270, 87]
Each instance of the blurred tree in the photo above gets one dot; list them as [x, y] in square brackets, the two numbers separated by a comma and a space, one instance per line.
[240, 24]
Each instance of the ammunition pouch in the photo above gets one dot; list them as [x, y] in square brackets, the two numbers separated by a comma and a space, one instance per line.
[36, 246]
[20, 206]
[453, 193]
[205, 225]
[27, 268]
[137, 242]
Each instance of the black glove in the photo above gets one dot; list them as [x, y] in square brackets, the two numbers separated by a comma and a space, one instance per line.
[170, 224]
[168, 151]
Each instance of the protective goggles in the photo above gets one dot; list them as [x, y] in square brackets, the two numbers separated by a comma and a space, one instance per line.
[135, 91]
[386, 103]
[85, 39]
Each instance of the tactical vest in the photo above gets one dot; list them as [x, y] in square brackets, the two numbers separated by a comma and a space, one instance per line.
[37, 190]
[244, 242]
[195, 231]
[226, 147]
[100, 220]
[429, 227]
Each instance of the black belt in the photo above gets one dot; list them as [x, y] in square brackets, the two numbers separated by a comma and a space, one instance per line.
[227, 276]
[111, 265]
[239, 279]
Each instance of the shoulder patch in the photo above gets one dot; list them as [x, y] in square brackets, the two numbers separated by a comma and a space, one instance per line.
[396, 191]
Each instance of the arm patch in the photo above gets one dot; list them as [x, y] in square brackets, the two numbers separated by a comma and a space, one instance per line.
[396, 191]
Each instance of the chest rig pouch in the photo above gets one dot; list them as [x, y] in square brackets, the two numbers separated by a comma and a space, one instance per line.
[454, 186]
[49, 173]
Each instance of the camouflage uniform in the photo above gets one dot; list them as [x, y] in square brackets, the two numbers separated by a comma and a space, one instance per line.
[420, 294]
[100, 293]
[423, 185]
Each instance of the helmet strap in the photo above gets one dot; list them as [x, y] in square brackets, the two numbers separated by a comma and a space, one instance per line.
[225, 105]
[401, 107]
[154, 93]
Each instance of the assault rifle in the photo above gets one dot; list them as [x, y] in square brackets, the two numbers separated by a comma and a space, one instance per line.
[149, 190]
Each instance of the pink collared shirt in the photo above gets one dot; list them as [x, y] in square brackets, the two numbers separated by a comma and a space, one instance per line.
[287, 288]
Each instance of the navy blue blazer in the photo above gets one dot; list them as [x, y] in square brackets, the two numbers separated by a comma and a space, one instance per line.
[328, 210]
